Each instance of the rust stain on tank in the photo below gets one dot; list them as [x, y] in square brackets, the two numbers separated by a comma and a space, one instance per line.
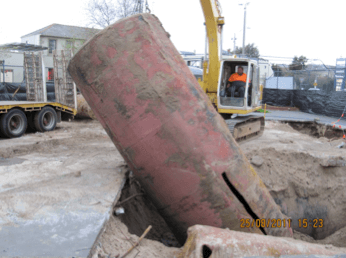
[121, 108]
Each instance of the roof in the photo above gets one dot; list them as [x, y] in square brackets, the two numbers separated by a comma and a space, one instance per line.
[65, 31]
[187, 53]
[22, 47]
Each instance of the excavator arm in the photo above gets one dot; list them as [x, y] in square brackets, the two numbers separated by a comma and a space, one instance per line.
[214, 22]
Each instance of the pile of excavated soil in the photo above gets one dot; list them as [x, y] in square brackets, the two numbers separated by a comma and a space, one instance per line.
[306, 177]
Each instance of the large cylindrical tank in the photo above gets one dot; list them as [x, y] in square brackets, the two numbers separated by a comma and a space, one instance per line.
[165, 127]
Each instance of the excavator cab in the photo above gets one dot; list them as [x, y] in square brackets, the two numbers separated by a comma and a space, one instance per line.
[230, 100]
[242, 127]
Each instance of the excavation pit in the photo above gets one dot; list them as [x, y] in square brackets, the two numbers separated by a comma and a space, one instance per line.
[305, 173]
[317, 130]
[140, 212]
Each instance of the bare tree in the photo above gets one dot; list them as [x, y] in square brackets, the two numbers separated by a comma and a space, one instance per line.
[102, 13]
[129, 7]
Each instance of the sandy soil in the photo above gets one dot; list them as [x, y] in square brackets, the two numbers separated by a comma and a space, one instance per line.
[78, 167]
[57, 167]
[307, 178]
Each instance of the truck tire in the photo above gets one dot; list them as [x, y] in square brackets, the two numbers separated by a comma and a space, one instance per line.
[45, 120]
[13, 123]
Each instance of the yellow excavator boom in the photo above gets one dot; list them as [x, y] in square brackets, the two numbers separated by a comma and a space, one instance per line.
[214, 22]
[244, 127]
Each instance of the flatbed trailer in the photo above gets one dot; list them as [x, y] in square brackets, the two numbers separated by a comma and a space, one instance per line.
[36, 111]
[16, 116]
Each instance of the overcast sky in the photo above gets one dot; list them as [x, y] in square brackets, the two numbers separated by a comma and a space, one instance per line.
[282, 28]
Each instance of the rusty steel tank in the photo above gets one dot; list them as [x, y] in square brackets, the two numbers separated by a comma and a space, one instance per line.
[168, 132]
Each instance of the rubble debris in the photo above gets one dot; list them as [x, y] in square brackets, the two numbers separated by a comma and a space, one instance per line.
[119, 211]
[257, 161]
[342, 145]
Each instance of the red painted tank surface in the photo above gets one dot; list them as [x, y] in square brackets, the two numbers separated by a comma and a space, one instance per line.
[167, 130]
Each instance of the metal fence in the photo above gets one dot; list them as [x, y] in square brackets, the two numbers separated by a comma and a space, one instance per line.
[322, 79]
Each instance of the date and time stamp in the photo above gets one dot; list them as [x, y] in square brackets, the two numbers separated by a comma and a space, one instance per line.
[280, 223]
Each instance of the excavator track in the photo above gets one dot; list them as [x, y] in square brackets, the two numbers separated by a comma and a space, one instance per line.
[246, 128]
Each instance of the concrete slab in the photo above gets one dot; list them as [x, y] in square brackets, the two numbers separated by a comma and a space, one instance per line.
[60, 234]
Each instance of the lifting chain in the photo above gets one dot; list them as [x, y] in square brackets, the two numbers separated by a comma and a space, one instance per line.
[219, 10]
[218, 6]
[147, 10]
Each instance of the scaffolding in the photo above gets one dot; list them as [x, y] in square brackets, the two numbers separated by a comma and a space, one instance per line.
[65, 89]
[35, 81]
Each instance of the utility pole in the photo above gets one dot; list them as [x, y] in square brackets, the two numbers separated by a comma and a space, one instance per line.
[234, 39]
[243, 52]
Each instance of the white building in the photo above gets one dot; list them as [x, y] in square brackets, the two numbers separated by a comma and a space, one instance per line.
[54, 37]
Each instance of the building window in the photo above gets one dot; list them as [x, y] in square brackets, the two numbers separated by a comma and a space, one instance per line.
[50, 74]
[69, 45]
[52, 45]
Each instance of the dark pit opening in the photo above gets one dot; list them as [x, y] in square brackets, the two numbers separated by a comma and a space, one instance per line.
[140, 212]
[242, 200]
[317, 130]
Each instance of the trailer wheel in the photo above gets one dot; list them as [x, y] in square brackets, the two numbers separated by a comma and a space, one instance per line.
[13, 123]
[45, 120]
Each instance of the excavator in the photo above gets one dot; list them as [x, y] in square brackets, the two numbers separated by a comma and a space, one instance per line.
[216, 72]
